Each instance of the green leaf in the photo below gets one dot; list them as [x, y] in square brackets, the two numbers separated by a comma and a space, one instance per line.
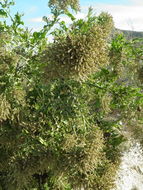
[42, 141]
[2, 13]
[18, 19]
[11, 3]
[70, 15]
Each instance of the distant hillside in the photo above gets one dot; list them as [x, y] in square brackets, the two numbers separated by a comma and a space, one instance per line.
[132, 34]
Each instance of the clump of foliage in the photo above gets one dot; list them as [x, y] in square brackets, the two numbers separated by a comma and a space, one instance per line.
[63, 103]
[76, 50]
[64, 4]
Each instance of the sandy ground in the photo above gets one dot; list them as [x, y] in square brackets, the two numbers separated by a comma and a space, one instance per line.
[130, 174]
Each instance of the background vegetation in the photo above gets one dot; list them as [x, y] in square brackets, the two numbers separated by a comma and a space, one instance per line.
[64, 104]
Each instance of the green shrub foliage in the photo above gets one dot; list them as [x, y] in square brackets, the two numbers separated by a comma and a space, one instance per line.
[64, 4]
[80, 50]
[63, 103]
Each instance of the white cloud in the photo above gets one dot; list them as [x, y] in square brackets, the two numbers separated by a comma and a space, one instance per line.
[62, 18]
[127, 17]
[136, 2]
[36, 19]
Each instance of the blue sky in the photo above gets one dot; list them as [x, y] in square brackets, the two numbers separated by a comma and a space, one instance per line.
[127, 14]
